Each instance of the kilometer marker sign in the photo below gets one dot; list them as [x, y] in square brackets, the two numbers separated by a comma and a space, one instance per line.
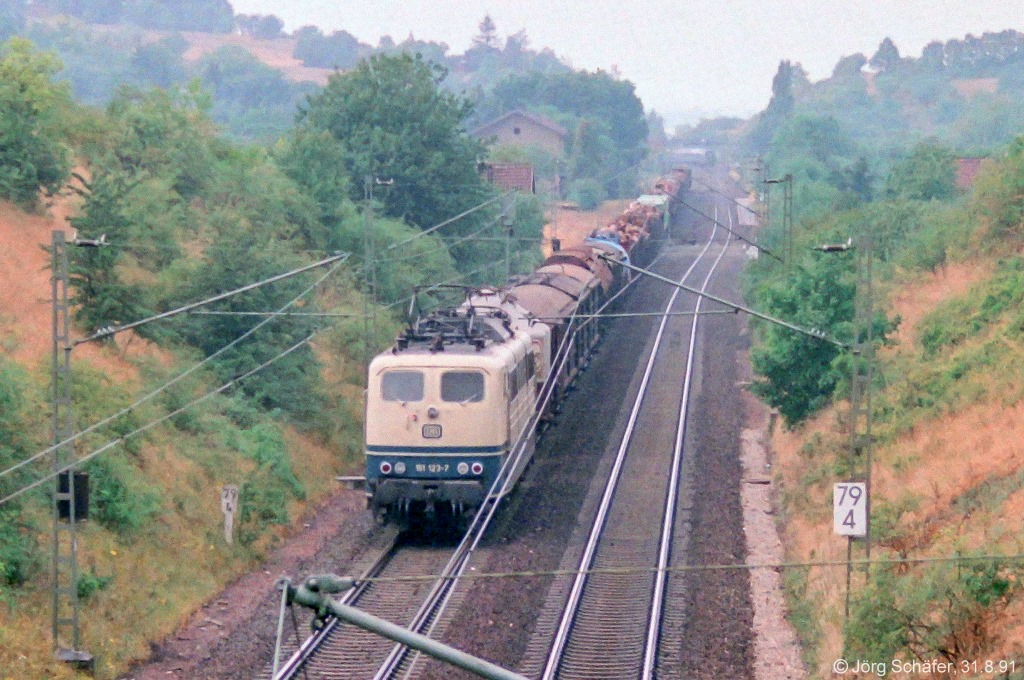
[850, 509]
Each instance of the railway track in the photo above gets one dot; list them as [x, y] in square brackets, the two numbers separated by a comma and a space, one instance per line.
[611, 626]
[340, 651]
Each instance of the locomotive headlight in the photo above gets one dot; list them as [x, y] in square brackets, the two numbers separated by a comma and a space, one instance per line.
[477, 468]
[463, 468]
[400, 468]
[385, 468]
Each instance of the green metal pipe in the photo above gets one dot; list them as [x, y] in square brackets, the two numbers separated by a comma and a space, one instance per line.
[315, 594]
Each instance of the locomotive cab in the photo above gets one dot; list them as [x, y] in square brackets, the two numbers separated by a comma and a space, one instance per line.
[441, 419]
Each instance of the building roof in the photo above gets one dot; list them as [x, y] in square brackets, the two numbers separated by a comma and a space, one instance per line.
[966, 170]
[485, 129]
[517, 176]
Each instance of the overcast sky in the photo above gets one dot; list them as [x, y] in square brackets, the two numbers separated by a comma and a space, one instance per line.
[712, 56]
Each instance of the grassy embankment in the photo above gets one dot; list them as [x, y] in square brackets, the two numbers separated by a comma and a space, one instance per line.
[948, 474]
[159, 551]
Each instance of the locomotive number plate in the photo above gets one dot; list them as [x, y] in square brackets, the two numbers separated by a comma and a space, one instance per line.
[431, 431]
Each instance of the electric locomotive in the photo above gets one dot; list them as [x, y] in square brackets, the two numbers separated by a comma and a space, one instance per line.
[444, 407]
[458, 394]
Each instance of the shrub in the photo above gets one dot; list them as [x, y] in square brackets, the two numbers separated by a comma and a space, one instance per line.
[121, 500]
[948, 611]
[587, 193]
[89, 583]
[32, 156]
[19, 552]
[267, 490]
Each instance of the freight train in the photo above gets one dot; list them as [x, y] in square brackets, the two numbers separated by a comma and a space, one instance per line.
[463, 389]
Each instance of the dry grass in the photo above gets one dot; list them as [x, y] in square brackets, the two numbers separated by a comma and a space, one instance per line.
[969, 88]
[25, 308]
[913, 302]
[960, 468]
[278, 53]
[158, 581]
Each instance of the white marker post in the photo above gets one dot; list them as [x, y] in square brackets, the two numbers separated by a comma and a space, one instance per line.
[850, 519]
[850, 509]
[228, 505]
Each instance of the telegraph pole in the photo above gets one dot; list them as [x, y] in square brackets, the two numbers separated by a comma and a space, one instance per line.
[787, 212]
[506, 222]
[861, 444]
[863, 359]
[368, 325]
[64, 573]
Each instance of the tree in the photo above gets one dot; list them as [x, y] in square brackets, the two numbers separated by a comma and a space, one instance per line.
[394, 121]
[779, 110]
[32, 155]
[887, 57]
[101, 296]
[849, 67]
[933, 57]
[340, 50]
[488, 36]
[210, 16]
[928, 173]
[240, 256]
[265, 26]
[90, 11]
[161, 62]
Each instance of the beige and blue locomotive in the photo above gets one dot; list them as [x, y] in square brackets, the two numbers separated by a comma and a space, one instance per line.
[444, 408]
[452, 409]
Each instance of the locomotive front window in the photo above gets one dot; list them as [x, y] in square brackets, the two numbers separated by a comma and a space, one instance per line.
[402, 386]
[462, 386]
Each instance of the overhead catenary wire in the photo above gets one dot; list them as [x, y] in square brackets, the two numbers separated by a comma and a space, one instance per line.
[107, 332]
[163, 388]
[725, 196]
[683, 568]
[153, 423]
[811, 332]
[731, 231]
[457, 240]
[435, 286]
[465, 213]
[329, 315]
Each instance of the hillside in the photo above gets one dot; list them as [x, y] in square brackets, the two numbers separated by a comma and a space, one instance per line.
[119, 625]
[946, 396]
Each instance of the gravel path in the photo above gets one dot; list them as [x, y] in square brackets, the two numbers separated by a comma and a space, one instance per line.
[776, 649]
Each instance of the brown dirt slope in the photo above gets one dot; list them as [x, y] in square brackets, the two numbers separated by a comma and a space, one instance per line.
[25, 308]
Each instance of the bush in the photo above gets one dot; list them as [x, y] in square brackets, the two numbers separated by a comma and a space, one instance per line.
[89, 583]
[20, 558]
[956, 320]
[19, 552]
[587, 193]
[267, 490]
[121, 500]
[949, 611]
[32, 156]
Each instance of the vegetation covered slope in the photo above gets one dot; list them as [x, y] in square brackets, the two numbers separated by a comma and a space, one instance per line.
[187, 214]
[948, 471]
